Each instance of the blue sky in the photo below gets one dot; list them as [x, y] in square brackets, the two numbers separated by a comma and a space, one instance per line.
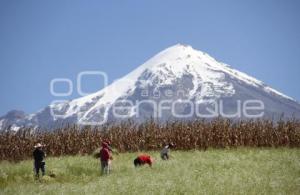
[41, 40]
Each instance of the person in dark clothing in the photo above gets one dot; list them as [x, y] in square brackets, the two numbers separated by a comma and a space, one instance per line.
[164, 153]
[39, 163]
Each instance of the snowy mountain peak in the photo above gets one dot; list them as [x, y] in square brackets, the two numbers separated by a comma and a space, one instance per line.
[180, 57]
[176, 52]
[178, 73]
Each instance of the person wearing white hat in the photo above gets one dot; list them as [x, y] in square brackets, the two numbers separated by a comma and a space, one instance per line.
[39, 157]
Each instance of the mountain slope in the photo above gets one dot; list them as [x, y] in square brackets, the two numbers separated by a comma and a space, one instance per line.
[194, 80]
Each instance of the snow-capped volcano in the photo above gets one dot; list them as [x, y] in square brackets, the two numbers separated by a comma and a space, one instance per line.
[177, 83]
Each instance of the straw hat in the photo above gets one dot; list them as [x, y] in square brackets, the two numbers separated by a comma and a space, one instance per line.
[38, 145]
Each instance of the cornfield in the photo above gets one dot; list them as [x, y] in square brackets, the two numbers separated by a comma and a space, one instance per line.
[129, 136]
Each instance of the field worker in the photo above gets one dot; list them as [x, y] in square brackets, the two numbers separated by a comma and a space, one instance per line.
[105, 157]
[143, 159]
[164, 153]
[39, 157]
[109, 147]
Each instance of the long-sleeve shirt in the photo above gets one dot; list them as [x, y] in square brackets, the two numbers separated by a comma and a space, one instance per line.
[38, 155]
[145, 159]
[104, 154]
[165, 150]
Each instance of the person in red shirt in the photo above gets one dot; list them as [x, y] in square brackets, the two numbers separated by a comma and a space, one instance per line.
[143, 159]
[105, 157]
[108, 145]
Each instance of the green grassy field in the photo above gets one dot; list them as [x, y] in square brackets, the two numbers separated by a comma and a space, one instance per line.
[228, 171]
